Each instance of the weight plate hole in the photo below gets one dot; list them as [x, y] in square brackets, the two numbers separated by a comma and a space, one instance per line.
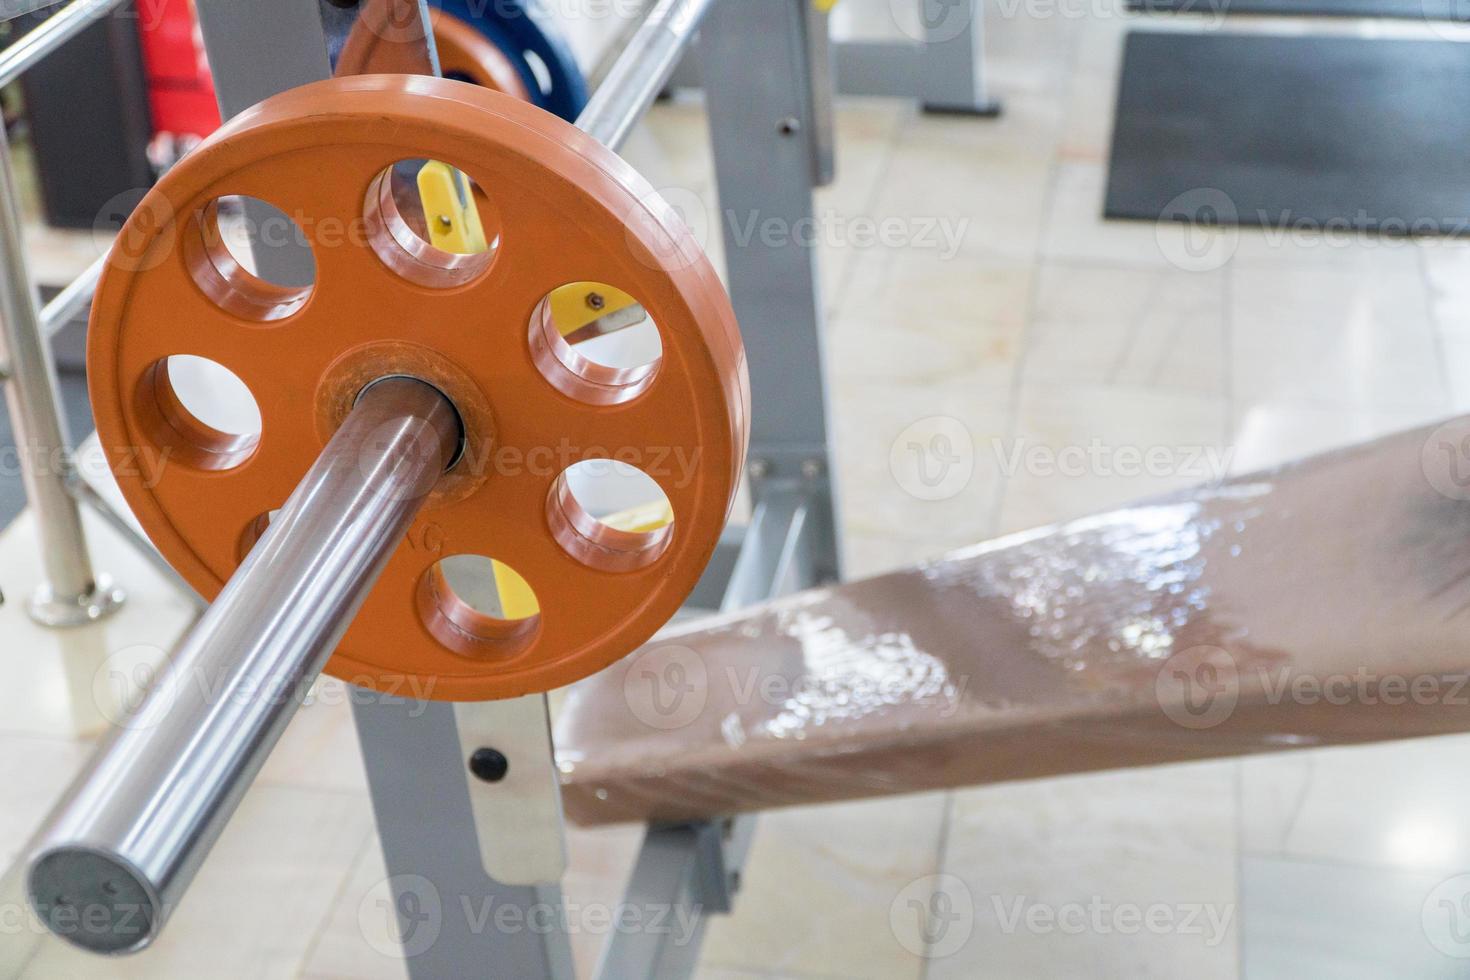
[539, 69]
[245, 255]
[199, 412]
[430, 224]
[610, 515]
[595, 343]
[478, 607]
[254, 531]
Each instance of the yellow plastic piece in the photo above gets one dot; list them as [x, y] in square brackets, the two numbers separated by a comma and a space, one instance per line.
[571, 309]
[449, 209]
[454, 226]
[645, 517]
[825, 6]
[517, 601]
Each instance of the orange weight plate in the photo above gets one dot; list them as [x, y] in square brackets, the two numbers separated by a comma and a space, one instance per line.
[387, 37]
[384, 302]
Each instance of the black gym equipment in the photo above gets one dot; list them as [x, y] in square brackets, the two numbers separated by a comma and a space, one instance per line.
[1293, 132]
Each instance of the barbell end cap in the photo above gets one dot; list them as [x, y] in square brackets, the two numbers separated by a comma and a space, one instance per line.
[94, 900]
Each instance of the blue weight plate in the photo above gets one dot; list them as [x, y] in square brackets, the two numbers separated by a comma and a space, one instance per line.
[512, 28]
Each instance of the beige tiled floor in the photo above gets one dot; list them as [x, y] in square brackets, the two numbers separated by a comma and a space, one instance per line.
[1045, 327]
[1151, 838]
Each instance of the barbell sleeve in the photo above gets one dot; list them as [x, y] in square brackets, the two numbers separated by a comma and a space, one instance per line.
[116, 854]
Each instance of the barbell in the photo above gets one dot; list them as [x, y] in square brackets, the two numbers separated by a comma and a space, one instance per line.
[420, 402]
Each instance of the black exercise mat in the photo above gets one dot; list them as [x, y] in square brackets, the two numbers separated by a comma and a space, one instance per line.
[1440, 10]
[1313, 134]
